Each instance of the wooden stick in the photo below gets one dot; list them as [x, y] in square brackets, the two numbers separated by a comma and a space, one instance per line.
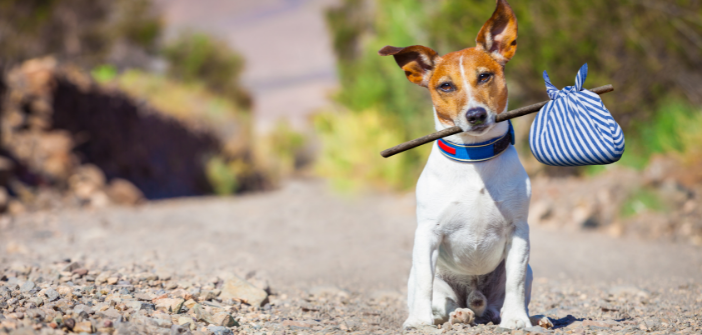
[455, 130]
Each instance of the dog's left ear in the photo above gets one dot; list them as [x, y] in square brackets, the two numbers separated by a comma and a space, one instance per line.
[417, 61]
[498, 36]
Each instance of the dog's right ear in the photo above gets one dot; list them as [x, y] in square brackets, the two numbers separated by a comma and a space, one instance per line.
[417, 61]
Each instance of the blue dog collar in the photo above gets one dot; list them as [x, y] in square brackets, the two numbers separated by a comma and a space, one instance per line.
[477, 152]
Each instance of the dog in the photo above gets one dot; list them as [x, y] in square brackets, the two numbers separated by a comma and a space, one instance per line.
[470, 260]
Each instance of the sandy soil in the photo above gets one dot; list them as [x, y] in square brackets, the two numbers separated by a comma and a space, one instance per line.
[304, 239]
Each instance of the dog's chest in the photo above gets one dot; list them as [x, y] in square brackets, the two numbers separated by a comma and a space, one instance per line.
[473, 207]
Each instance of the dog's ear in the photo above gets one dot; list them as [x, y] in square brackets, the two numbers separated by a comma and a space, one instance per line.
[417, 61]
[498, 36]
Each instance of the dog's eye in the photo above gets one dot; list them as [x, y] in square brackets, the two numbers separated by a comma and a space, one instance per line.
[447, 87]
[484, 77]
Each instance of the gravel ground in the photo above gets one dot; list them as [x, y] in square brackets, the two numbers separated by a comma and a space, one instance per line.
[300, 260]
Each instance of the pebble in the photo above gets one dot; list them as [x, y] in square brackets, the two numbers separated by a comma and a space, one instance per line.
[219, 330]
[69, 323]
[177, 330]
[111, 313]
[224, 319]
[27, 286]
[83, 306]
[83, 327]
[239, 289]
[169, 305]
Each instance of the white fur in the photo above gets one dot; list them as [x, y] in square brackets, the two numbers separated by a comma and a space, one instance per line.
[470, 218]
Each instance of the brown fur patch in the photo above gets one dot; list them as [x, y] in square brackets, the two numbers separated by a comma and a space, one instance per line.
[449, 105]
[498, 36]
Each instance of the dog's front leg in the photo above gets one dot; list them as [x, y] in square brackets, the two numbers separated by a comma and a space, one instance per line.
[421, 280]
[514, 310]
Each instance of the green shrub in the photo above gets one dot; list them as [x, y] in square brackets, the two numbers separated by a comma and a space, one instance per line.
[189, 102]
[281, 151]
[350, 153]
[104, 73]
[221, 175]
[196, 57]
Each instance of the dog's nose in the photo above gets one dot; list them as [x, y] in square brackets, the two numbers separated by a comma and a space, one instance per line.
[476, 116]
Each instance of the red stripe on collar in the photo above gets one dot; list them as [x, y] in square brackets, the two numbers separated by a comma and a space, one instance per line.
[446, 147]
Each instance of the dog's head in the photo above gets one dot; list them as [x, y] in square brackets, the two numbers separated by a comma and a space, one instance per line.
[468, 86]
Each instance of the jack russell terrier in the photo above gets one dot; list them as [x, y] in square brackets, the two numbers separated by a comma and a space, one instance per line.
[470, 261]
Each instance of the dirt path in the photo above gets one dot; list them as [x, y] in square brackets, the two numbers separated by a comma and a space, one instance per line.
[303, 234]
[303, 237]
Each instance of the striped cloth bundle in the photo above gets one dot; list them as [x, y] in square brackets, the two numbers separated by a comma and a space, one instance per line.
[575, 128]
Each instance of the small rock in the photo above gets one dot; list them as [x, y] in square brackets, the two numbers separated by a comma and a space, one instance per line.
[178, 330]
[111, 313]
[190, 303]
[83, 308]
[64, 290]
[37, 301]
[81, 272]
[224, 319]
[139, 305]
[36, 313]
[185, 319]
[219, 330]
[170, 305]
[144, 296]
[112, 280]
[83, 327]
[70, 267]
[101, 278]
[69, 323]
[202, 315]
[124, 192]
[158, 322]
[27, 286]
[239, 289]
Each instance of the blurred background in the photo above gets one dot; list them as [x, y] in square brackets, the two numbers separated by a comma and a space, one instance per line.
[125, 101]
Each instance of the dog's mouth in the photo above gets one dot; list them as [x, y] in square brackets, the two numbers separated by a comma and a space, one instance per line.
[480, 129]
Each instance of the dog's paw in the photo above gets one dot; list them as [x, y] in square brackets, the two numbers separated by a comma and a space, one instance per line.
[462, 315]
[541, 321]
[515, 322]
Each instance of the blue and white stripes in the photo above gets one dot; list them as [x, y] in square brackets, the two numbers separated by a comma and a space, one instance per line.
[575, 128]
